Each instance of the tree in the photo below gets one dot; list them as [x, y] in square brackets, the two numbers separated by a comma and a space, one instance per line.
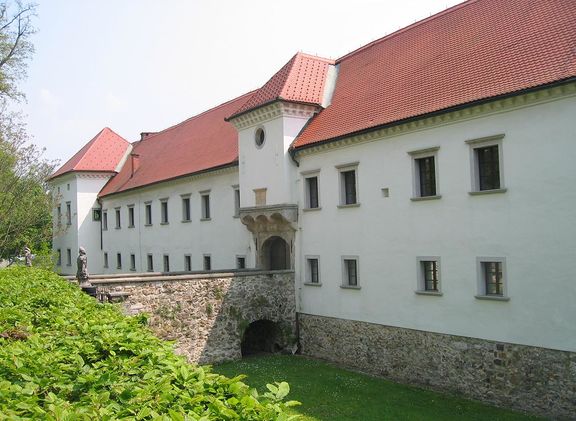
[25, 202]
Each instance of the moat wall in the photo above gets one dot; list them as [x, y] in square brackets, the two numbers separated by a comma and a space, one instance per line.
[207, 314]
[532, 379]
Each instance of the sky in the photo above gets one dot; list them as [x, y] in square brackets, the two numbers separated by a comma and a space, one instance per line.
[145, 65]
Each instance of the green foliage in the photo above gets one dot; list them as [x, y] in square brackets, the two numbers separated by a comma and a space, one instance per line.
[64, 356]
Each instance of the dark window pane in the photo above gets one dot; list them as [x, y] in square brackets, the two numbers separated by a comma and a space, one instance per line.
[426, 176]
[351, 272]
[493, 278]
[313, 267]
[430, 270]
[312, 192]
[488, 167]
[349, 187]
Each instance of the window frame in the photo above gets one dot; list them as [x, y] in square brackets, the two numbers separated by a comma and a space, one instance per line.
[482, 294]
[105, 220]
[342, 185]
[475, 171]
[188, 263]
[131, 218]
[118, 260]
[421, 276]
[205, 206]
[149, 262]
[346, 275]
[105, 258]
[236, 192]
[164, 210]
[132, 262]
[59, 257]
[308, 202]
[68, 213]
[417, 156]
[166, 263]
[206, 262]
[308, 280]
[148, 214]
[68, 257]
[186, 207]
[238, 258]
[118, 214]
[59, 214]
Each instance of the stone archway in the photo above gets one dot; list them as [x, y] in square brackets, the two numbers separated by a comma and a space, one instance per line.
[261, 336]
[275, 254]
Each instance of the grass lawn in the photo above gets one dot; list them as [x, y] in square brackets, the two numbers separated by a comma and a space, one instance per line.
[331, 393]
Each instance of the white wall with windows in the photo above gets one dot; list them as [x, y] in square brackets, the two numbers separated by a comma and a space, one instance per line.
[501, 227]
[186, 220]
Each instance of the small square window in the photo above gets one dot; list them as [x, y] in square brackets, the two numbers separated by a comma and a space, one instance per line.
[118, 222]
[348, 184]
[133, 262]
[205, 202]
[166, 263]
[150, 263]
[350, 278]
[131, 216]
[207, 262]
[118, 261]
[313, 270]
[487, 166]
[187, 263]
[148, 213]
[240, 262]
[186, 216]
[105, 260]
[163, 211]
[428, 276]
[492, 278]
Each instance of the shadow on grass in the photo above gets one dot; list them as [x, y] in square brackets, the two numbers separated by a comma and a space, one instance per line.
[331, 393]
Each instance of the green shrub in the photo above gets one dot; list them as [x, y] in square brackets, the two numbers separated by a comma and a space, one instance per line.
[63, 356]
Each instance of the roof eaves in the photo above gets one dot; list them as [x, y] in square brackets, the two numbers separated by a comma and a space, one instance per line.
[277, 99]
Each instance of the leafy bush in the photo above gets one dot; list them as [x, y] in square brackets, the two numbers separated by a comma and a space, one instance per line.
[63, 356]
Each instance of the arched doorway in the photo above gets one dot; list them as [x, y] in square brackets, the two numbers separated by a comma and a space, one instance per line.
[275, 254]
[260, 336]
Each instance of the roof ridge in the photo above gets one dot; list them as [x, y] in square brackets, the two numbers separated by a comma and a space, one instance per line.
[247, 94]
[90, 144]
[314, 56]
[406, 28]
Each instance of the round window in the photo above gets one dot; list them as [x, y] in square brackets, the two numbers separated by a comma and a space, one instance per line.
[259, 136]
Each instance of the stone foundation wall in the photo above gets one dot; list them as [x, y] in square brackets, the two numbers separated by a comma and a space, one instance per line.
[532, 379]
[206, 314]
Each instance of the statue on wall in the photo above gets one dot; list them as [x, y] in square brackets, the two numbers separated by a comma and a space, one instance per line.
[28, 256]
[82, 272]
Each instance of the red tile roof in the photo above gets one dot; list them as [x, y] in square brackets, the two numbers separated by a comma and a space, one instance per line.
[302, 80]
[103, 153]
[200, 143]
[476, 50]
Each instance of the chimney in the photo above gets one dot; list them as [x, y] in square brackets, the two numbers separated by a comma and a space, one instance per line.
[144, 135]
[135, 161]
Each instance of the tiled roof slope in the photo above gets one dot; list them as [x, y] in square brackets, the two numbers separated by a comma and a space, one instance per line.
[200, 143]
[476, 50]
[103, 153]
[302, 79]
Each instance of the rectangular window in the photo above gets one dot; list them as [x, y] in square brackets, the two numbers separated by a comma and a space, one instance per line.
[118, 261]
[132, 262]
[236, 201]
[105, 259]
[68, 257]
[148, 213]
[312, 192]
[59, 215]
[164, 211]
[96, 214]
[348, 176]
[59, 257]
[186, 216]
[488, 167]
[207, 262]
[166, 263]
[205, 205]
[68, 214]
[187, 263]
[131, 216]
[240, 262]
[312, 270]
[486, 164]
[424, 173]
[104, 220]
[118, 222]
[149, 263]
[492, 278]
[350, 271]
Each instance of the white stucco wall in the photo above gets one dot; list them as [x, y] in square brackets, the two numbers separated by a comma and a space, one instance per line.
[223, 237]
[532, 225]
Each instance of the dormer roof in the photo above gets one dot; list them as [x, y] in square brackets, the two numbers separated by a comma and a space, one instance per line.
[103, 153]
[301, 80]
[478, 50]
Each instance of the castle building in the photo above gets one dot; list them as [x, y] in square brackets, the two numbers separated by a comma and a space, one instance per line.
[423, 182]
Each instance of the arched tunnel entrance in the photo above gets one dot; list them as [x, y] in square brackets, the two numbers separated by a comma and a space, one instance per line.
[275, 254]
[261, 336]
